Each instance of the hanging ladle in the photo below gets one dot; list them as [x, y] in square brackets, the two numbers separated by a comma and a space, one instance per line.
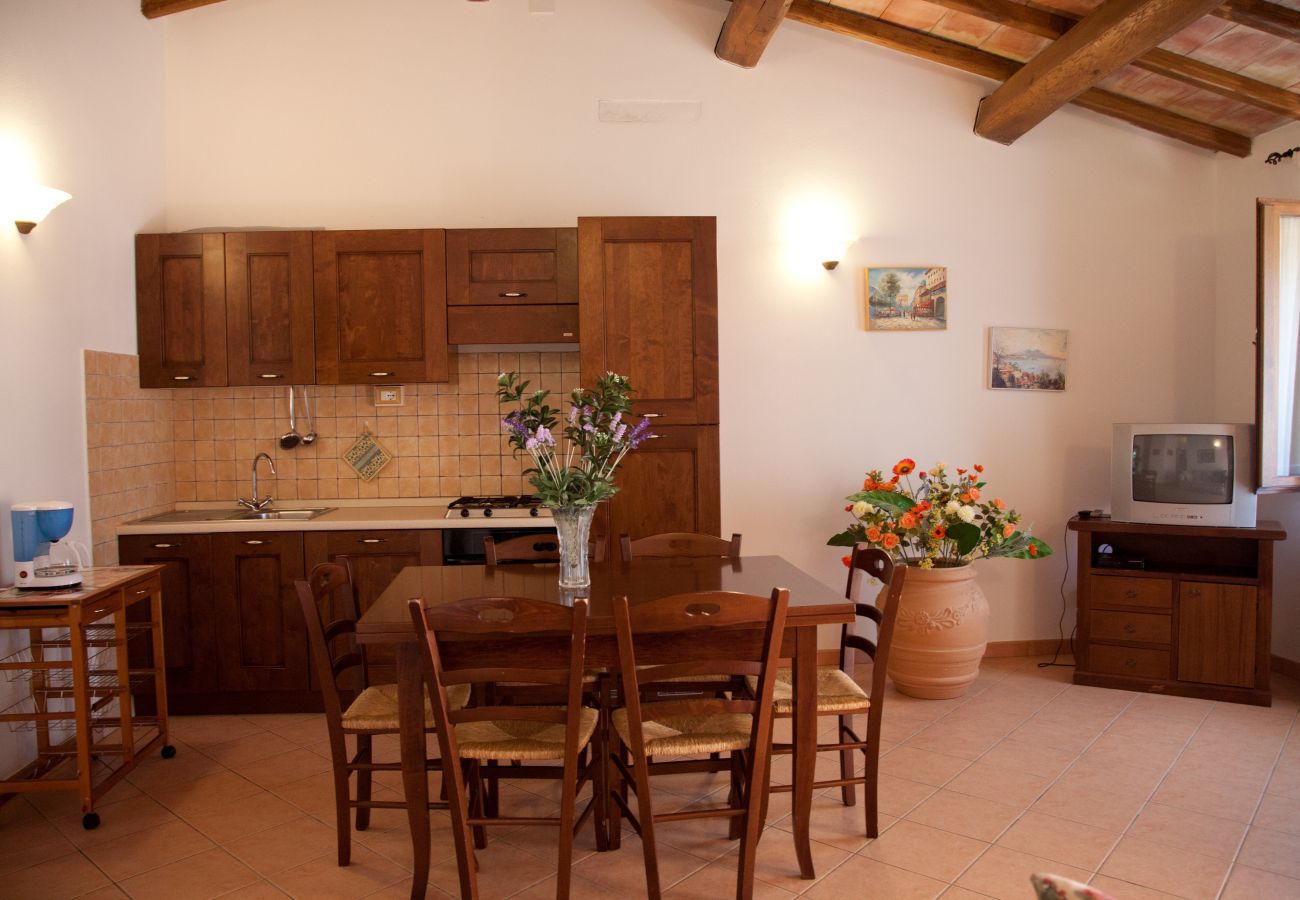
[291, 438]
[310, 437]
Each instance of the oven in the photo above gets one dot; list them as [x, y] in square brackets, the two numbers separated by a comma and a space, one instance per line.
[464, 546]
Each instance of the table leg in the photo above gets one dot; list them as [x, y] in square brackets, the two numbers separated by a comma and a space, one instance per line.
[410, 706]
[805, 743]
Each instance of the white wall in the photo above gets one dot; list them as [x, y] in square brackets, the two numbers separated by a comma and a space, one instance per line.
[81, 109]
[339, 114]
[1239, 184]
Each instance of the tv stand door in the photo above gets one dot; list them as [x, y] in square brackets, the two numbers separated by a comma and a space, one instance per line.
[1216, 633]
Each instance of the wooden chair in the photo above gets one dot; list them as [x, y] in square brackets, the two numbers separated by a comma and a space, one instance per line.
[328, 595]
[679, 543]
[737, 634]
[534, 548]
[482, 737]
[839, 695]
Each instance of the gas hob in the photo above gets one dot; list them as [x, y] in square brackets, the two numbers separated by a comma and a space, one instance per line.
[524, 506]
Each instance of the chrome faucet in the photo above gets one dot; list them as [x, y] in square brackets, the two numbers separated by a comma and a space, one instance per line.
[255, 504]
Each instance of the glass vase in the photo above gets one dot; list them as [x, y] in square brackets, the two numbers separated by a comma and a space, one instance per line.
[573, 525]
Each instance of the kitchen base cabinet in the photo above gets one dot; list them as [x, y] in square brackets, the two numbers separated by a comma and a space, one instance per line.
[1194, 619]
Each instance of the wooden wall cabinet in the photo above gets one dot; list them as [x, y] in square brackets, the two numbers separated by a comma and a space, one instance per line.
[648, 307]
[1195, 621]
[381, 307]
[270, 338]
[181, 309]
[512, 285]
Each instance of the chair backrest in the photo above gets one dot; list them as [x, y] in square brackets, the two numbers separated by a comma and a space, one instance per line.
[524, 548]
[484, 621]
[679, 544]
[873, 562]
[327, 596]
[710, 633]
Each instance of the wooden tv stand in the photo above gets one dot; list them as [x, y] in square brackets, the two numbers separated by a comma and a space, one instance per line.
[1194, 619]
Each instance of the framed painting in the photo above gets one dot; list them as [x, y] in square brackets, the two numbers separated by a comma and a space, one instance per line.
[907, 298]
[1027, 359]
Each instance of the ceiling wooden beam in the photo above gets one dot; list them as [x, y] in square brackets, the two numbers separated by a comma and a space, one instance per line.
[153, 9]
[1107, 39]
[1034, 20]
[1277, 20]
[999, 68]
[749, 27]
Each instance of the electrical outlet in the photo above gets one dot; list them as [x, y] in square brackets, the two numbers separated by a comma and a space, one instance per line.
[388, 395]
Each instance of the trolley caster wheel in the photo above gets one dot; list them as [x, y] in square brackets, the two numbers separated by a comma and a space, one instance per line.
[168, 751]
[90, 821]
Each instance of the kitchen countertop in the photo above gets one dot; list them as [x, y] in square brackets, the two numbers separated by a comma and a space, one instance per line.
[348, 515]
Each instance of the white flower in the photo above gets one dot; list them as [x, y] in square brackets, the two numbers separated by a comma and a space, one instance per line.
[966, 513]
[938, 469]
[952, 507]
[862, 509]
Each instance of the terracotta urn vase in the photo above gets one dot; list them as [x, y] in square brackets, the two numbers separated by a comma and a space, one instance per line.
[940, 633]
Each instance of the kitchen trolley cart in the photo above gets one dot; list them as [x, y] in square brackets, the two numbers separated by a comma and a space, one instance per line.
[93, 651]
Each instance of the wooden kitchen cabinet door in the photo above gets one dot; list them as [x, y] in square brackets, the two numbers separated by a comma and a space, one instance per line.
[512, 266]
[180, 285]
[270, 332]
[1216, 633]
[381, 307]
[189, 622]
[261, 635]
[669, 483]
[648, 309]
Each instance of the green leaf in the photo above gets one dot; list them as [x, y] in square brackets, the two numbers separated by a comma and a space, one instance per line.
[1041, 549]
[843, 539]
[965, 535]
[890, 500]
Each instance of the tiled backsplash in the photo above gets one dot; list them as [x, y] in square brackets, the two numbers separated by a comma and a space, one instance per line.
[128, 447]
[151, 448]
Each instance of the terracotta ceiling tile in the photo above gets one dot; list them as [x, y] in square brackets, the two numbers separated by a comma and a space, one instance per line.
[1126, 80]
[1252, 120]
[1161, 91]
[1078, 7]
[1281, 67]
[867, 7]
[965, 28]
[1202, 31]
[1203, 105]
[917, 14]
[1237, 48]
[1015, 44]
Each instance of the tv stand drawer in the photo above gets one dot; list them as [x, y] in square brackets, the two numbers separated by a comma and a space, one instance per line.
[1114, 590]
[1142, 628]
[1108, 659]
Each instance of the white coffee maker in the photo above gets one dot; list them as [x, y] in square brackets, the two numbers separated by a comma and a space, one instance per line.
[42, 559]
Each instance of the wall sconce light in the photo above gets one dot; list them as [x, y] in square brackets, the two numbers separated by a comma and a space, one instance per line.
[31, 203]
[830, 264]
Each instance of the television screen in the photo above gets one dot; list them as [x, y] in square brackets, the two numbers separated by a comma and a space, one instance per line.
[1182, 468]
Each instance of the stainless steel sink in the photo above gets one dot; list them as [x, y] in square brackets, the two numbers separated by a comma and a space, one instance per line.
[291, 515]
[183, 516]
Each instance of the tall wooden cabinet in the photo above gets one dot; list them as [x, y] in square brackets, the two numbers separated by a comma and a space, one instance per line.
[269, 311]
[181, 309]
[648, 309]
[1176, 609]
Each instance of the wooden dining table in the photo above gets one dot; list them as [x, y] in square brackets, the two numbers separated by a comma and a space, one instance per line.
[388, 622]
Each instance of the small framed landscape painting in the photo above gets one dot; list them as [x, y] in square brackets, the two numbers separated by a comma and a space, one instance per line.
[1027, 359]
[907, 298]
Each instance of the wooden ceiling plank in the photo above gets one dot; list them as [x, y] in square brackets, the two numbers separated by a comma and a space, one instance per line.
[153, 9]
[1108, 38]
[1189, 71]
[749, 27]
[1261, 15]
[989, 65]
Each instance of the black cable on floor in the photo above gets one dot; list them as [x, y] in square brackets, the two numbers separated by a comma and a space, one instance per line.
[1060, 623]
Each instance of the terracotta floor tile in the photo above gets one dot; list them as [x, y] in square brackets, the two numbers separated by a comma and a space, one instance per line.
[579, 889]
[1246, 883]
[1274, 851]
[1126, 890]
[156, 774]
[109, 892]
[832, 823]
[243, 816]
[285, 768]
[1060, 840]
[1183, 872]
[504, 869]
[1037, 759]
[1004, 873]
[1279, 813]
[899, 795]
[777, 864]
[200, 730]
[116, 820]
[27, 843]
[324, 879]
[1224, 797]
[212, 873]
[718, 879]
[925, 766]
[1210, 835]
[869, 879]
[925, 850]
[264, 890]
[972, 817]
[285, 846]
[205, 792]
[1001, 785]
[148, 849]
[960, 893]
[55, 879]
[1286, 781]
[951, 739]
[1113, 748]
[249, 748]
[1101, 809]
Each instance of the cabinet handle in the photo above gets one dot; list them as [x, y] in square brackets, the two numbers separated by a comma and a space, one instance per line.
[380, 374]
[513, 294]
[651, 415]
[1131, 663]
[254, 543]
[567, 334]
[163, 546]
[1130, 628]
[140, 592]
[1193, 592]
[270, 375]
[182, 378]
[1131, 593]
[373, 541]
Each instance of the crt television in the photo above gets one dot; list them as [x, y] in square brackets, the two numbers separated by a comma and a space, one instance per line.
[1183, 475]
